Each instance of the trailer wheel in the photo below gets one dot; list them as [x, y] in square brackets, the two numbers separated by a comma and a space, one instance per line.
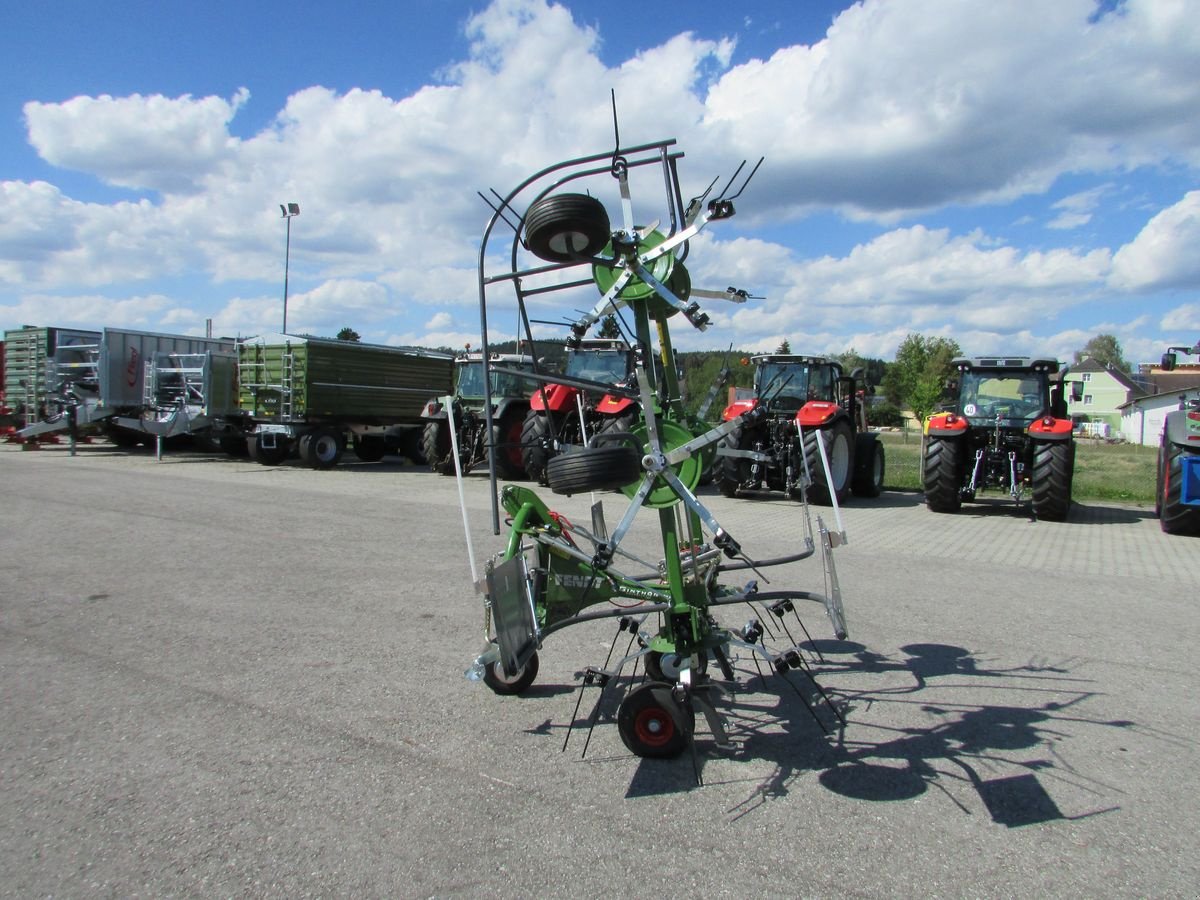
[369, 449]
[435, 444]
[268, 456]
[606, 468]
[321, 449]
[506, 440]
[651, 722]
[535, 453]
[1175, 516]
[868, 466]
[564, 227]
[943, 474]
[494, 677]
[839, 450]
[1053, 463]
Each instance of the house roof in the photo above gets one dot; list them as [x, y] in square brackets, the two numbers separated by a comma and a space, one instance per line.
[1088, 364]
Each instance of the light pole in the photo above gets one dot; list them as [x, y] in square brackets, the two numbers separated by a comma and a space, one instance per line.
[292, 209]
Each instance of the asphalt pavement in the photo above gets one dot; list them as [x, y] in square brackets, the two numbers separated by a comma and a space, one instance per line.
[224, 679]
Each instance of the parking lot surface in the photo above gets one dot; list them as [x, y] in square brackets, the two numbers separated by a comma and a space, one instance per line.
[226, 679]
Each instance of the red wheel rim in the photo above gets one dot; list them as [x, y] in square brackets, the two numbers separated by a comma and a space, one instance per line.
[653, 727]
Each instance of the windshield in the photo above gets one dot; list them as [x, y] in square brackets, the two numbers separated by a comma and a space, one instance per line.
[1009, 395]
[791, 385]
[604, 366]
[470, 380]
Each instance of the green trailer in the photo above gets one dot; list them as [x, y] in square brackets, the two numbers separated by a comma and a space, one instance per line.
[315, 395]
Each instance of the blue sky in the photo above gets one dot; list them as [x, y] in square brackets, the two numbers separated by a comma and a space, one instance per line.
[1018, 176]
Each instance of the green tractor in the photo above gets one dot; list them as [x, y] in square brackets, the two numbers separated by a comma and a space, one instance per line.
[1007, 429]
[1177, 490]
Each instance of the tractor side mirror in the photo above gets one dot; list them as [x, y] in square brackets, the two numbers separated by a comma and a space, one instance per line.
[1168, 361]
[1076, 391]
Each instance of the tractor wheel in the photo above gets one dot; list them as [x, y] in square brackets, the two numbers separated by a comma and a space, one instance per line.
[564, 227]
[1052, 466]
[606, 468]
[667, 666]
[435, 444]
[494, 677]
[868, 466]
[535, 451]
[839, 449]
[369, 449]
[943, 474]
[652, 723]
[731, 471]
[322, 448]
[1175, 517]
[506, 440]
[268, 456]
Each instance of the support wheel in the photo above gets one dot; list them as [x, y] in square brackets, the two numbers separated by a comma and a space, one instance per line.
[652, 724]
[494, 677]
[943, 474]
[604, 468]
[564, 227]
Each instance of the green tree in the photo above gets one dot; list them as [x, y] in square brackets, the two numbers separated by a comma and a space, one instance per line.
[785, 347]
[917, 377]
[609, 328]
[1105, 349]
[873, 369]
[348, 334]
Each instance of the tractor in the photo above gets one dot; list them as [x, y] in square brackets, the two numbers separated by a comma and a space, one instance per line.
[561, 415]
[1004, 426]
[798, 401]
[1177, 489]
[510, 399]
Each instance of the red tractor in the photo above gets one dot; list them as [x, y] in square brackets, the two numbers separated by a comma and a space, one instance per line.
[565, 414]
[797, 401]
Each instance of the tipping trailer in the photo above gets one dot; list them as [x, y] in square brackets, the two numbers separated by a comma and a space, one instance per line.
[314, 395]
[89, 384]
[188, 393]
[33, 357]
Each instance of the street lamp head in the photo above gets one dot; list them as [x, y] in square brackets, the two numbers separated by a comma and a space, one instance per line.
[292, 209]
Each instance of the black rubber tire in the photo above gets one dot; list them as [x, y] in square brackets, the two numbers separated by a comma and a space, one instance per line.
[839, 449]
[435, 446]
[943, 474]
[1053, 463]
[268, 456]
[869, 463]
[535, 454]
[1175, 517]
[494, 677]
[731, 471]
[565, 227]
[665, 666]
[322, 448]
[606, 468]
[369, 449]
[506, 439]
[652, 724]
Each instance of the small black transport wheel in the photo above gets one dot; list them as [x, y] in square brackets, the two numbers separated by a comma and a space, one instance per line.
[369, 448]
[494, 677]
[268, 456]
[1053, 462]
[943, 479]
[603, 468]
[564, 227]
[322, 448]
[651, 722]
[868, 466]
[667, 666]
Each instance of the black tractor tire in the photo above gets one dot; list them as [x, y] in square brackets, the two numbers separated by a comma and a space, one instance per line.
[369, 449]
[1175, 517]
[731, 471]
[322, 448]
[652, 724]
[839, 449]
[268, 456]
[436, 447]
[943, 474]
[535, 454]
[1053, 464]
[869, 464]
[494, 677]
[605, 468]
[506, 440]
[565, 227]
